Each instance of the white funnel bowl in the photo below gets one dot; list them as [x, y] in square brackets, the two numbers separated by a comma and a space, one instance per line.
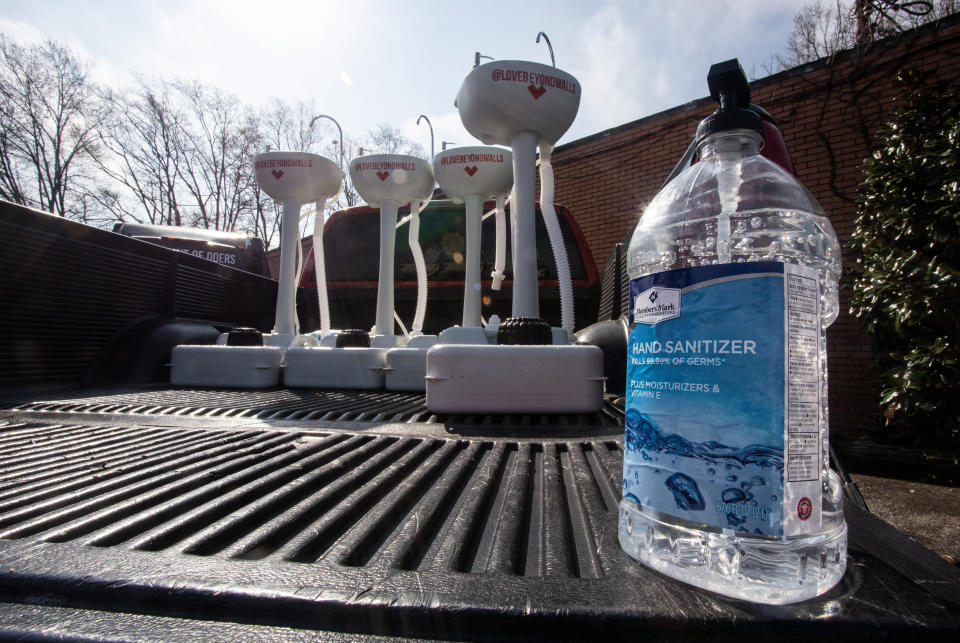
[391, 177]
[388, 180]
[507, 96]
[483, 171]
[299, 176]
[293, 178]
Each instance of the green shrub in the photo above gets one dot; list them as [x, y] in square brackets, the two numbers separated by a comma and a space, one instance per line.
[907, 243]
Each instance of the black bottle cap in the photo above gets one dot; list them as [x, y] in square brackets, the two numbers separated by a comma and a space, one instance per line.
[353, 338]
[244, 337]
[728, 86]
[526, 331]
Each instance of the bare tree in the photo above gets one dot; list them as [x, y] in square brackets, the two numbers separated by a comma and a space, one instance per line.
[348, 196]
[878, 19]
[388, 140]
[172, 153]
[819, 30]
[822, 29]
[288, 127]
[49, 120]
[215, 163]
[145, 137]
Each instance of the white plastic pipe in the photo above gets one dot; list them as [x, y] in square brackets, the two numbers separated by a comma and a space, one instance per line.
[525, 300]
[414, 240]
[513, 225]
[556, 237]
[319, 266]
[500, 259]
[403, 329]
[471, 278]
[388, 237]
[286, 315]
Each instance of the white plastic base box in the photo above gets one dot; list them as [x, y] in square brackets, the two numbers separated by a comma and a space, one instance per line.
[514, 379]
[407, 367]
[335, 368]
[228, 366]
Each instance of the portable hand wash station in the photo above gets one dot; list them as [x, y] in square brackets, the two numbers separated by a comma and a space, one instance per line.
[470, 175]
[531, 368]
[354, 358]
[247, 359]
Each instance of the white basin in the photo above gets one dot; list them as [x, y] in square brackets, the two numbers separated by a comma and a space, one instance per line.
[297, 176]
[484, 171]
[391, 177]
[507, 96]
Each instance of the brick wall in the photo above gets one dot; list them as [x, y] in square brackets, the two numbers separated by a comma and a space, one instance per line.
[827, 112]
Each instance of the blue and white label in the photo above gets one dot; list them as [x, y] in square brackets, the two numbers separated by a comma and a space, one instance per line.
[723, 397]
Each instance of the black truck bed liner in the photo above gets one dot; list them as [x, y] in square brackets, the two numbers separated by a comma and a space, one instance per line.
[277, 514]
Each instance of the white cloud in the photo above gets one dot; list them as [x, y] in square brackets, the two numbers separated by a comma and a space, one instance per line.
[632, 58]
[636, 59]
[21, 33]
[608, 51]
[449, 127]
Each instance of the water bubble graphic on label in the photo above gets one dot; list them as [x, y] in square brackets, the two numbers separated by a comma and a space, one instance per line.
[685, 492]
[731, 478]
[733, 495]
[735, 521]
[757, 481]
[644, 436]
[711, 471]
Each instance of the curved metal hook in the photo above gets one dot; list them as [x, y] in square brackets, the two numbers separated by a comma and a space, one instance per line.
[553, 61]
[339, 129]
[476, 58]
[424, 117]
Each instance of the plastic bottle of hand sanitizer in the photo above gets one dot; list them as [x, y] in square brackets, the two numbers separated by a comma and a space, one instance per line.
[733, 282]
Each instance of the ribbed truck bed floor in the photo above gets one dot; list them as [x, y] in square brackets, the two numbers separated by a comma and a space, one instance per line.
[281, 514]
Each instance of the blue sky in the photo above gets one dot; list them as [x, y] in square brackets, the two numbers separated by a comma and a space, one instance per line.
[367, 62]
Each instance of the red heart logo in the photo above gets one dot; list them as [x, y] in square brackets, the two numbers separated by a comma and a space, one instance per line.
[277, 174]
[470, 170]
[536, 92]
[383, 175]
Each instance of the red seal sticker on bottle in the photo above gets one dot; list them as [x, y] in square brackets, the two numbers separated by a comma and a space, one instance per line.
[804, 508]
